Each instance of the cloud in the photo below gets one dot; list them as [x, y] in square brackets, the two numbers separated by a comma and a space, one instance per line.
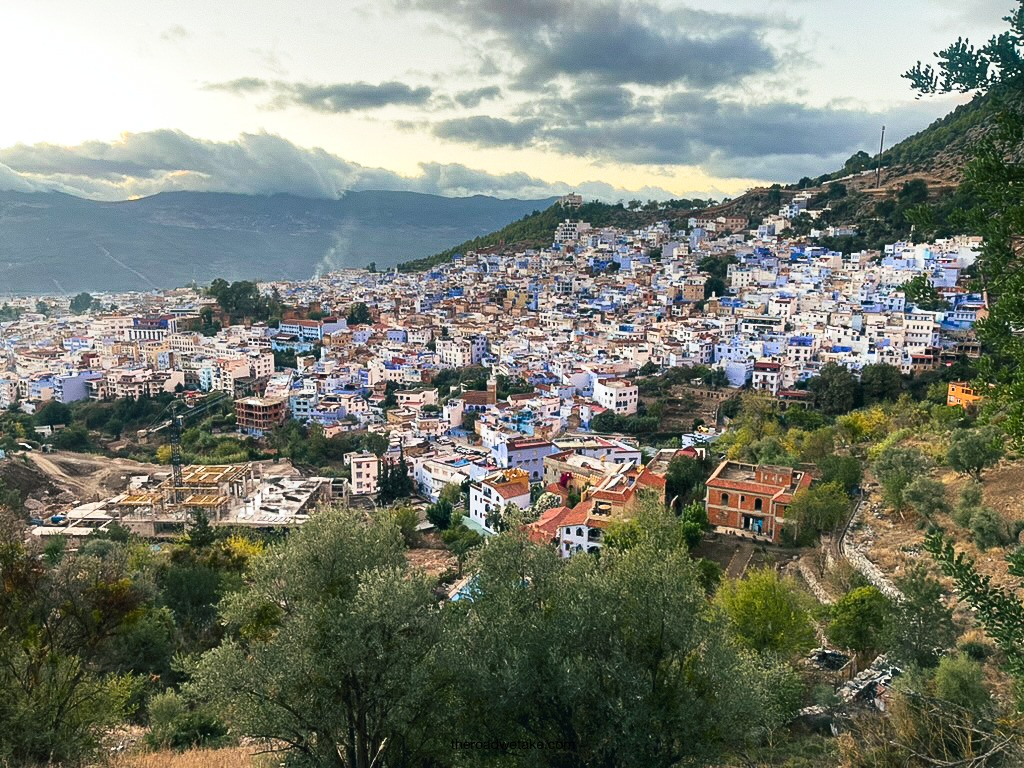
[637, 41]
[240, 86]
[473, 98]
[484, 131]
[141, 164]
[12, 181]
[777, 140]
[349, 97]
[332, 97]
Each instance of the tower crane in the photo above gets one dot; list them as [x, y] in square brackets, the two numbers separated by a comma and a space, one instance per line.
[173, 418]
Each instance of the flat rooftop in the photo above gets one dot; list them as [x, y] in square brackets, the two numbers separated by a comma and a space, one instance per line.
[213, 474]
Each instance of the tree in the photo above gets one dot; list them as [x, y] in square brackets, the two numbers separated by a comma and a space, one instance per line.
[407, 521]
[988, 528]
[461, 540]
[971, 451]
[922, 627]
[664, 684]
[694, 523]
[880, 382]
[920, 292]
[81, 303]
[54, 413]
[200, 533]
[845, 470]
[394, 481]
[684, 480]
[896, 468]
[817, 509]
[926, 496]
[715, 286]
[835, 389]
[768, 612]
[359, 314]
[858, 620]
[332, 648]
[440, 514]
[58, 619]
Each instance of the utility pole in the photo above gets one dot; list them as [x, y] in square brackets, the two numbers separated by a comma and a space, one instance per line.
[878, 163]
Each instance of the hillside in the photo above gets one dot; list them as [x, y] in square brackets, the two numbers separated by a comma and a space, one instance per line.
[56, 242]
[931, 162]
[536, 229]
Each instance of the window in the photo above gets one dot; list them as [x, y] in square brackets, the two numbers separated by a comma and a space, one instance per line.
[757, 505]
[579, 531]
[725, 498]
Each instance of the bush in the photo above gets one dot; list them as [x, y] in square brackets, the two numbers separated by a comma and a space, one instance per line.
[988, 528]
[406, 519]
[176, 724]
[975, 646]
[859, 619]
[974, 450]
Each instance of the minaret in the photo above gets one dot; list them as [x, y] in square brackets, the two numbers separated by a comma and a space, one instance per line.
[492, 388]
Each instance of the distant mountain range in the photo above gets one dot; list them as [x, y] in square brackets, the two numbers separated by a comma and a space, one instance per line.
[53, 242]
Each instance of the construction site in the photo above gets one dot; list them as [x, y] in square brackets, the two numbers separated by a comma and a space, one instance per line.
[156, 502]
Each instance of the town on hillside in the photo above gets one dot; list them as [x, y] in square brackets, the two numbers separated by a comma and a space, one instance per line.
[509, 374]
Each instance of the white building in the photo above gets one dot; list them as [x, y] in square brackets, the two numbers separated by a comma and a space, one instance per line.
[364, 471]
[492, 495]
[618, 395]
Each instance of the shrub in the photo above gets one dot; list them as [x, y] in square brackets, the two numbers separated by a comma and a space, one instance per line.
[177, 724]
[988, 528]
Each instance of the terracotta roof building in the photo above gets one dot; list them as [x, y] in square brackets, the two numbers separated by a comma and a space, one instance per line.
[752, 500]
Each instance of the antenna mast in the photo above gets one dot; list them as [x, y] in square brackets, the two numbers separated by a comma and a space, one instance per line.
[878, 164]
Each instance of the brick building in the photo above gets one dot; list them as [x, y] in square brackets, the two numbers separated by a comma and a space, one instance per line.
[752, 500]
[257, 416]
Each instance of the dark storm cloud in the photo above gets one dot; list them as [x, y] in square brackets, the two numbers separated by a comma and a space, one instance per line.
[351, 97]
[483, 131]
[473, 98]
[329, 97]
[616, 42]
[775, 140]
[256, 164]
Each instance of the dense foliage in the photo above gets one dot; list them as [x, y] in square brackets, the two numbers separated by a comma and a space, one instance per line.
[243, 299]
[346, 659]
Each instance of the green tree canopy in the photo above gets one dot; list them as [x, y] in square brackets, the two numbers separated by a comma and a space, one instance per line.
[835, 389]
[330, 647]
[359, 314]
[859, 619]
[971, 451]
[926, 496]
[816, 510]
[60, 615]
[81, 303]
[896, 468]
[921, 627]
[880, 382]
[920, 292]
[768, 612]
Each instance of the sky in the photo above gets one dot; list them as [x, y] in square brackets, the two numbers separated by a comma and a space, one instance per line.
[114, 99]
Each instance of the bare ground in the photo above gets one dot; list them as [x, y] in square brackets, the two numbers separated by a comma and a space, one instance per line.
[894, 542]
